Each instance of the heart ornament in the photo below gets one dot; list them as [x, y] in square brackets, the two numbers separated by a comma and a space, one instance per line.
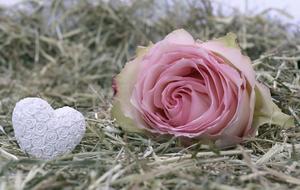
[45, 133]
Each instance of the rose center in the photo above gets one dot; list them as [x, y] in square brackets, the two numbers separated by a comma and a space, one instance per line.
[184, 101]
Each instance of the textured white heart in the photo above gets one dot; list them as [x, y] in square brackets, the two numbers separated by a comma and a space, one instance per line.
[46, 133]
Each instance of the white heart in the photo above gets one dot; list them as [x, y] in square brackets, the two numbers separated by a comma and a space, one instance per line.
[46, 133]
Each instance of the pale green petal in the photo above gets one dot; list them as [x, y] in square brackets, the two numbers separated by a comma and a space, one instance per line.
[125, 122]
[123, 111]
[266, 111]
[230, 40]
[142, 50]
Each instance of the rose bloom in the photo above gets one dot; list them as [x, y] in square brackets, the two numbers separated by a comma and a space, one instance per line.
[195, 90]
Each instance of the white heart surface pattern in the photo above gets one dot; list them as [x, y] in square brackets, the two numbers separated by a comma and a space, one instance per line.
[46, 133]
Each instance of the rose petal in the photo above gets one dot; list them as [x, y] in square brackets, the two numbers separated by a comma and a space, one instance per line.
[266, 111]
[226, 48]
[180, 36]
[122, 109]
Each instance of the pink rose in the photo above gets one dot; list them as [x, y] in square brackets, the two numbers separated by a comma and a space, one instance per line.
[193, 89]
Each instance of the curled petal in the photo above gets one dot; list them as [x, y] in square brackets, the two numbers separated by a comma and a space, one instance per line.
[228, 49]
[180, 36]
[266, 111]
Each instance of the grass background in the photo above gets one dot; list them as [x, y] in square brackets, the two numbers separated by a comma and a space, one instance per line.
[68, 56]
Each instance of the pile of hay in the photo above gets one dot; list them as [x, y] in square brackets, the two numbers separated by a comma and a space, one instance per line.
[69, 56]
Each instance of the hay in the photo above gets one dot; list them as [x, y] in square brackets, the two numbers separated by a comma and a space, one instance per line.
[71, 59]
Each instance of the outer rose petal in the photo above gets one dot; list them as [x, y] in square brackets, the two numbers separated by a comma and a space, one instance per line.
[268, 112]
[122, 110]
[227, 47]
[180, 37]
[126, 122]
